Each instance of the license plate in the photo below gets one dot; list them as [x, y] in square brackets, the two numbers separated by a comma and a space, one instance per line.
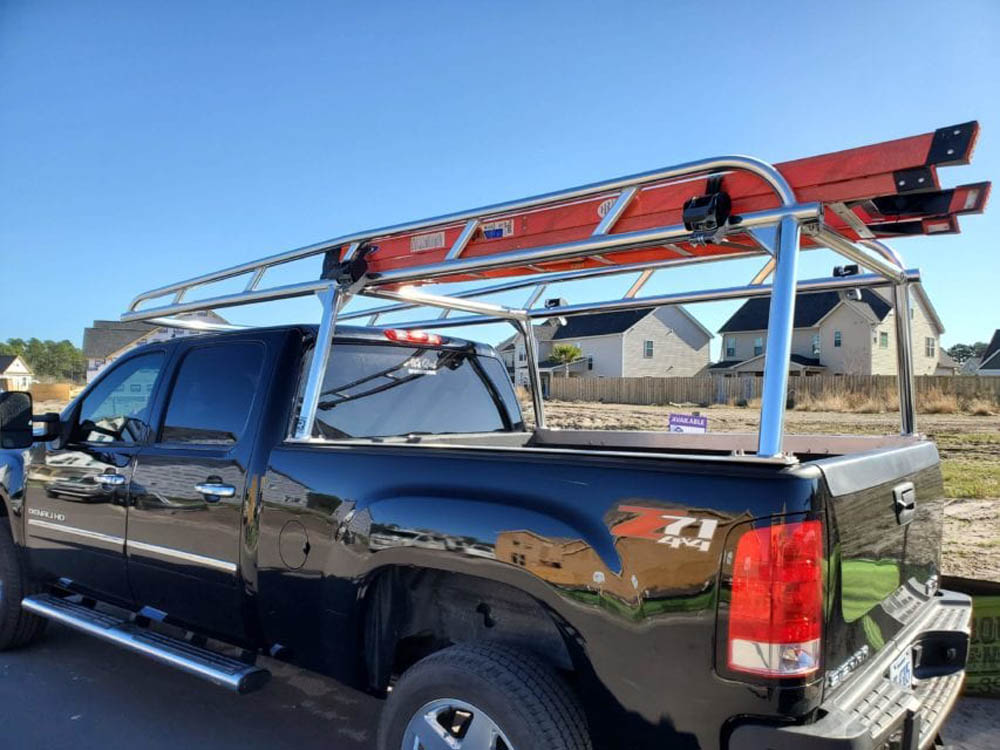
[901, 671]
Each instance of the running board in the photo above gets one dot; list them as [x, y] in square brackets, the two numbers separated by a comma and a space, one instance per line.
[209, 665]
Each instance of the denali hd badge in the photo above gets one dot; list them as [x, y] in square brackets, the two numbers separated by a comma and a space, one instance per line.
[667, 528]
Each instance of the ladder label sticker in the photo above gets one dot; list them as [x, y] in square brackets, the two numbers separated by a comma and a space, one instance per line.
[605, 206]
[423, 242]
[495, 230]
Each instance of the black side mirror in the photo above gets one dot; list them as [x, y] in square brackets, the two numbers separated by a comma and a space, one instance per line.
[15, 420]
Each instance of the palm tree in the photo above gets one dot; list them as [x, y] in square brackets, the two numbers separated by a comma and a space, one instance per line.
[566, 354]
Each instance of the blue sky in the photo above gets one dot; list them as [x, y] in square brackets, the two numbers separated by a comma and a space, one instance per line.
[142, 143]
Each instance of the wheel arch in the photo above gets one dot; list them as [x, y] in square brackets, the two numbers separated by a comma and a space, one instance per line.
[411, 612]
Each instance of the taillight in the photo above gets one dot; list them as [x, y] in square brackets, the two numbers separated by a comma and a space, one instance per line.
[413, 337]
[776, 607]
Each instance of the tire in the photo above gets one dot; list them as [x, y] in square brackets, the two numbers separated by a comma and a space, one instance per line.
[521, 695]
[17, 627]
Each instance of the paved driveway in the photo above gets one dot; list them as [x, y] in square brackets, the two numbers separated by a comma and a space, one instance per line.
[72, 691]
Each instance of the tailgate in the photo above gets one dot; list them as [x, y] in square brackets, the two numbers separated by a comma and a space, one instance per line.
[885, 515]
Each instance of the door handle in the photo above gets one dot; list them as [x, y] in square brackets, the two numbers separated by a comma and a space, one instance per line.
[213, 491]
[109, 480]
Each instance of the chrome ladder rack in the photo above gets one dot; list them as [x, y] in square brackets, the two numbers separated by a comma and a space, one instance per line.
[790, 221]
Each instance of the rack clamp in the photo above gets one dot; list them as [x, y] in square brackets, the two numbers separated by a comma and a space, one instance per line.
[708, 215]
[349, 274]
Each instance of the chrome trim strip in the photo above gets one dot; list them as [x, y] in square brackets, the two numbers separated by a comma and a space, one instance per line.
[74, 531]
[177, 554]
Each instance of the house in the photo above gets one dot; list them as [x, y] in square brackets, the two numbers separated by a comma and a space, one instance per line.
[15, 375]
[989, 363]
[835, 333]
[646, 342]
[946, 365]
[107, 340]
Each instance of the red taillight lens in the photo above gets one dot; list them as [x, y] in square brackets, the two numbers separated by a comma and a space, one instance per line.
[776, 608]
[413, 337]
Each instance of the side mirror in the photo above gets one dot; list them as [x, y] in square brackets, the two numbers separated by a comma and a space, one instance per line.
[15, 420]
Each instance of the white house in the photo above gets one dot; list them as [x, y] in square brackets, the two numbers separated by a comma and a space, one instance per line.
[836, 333]
[15, 375]
[107, 340]
[662, 342]
[989, 363]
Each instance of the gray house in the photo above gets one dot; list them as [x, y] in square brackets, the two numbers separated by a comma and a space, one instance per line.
[107, 340]
[648, 342]
[836, 333]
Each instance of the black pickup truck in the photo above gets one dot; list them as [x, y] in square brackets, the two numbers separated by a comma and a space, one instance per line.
[503, 588]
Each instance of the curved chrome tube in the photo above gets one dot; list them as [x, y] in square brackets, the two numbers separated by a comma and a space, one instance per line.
[762, 169]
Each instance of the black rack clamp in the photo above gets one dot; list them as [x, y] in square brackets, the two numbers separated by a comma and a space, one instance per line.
[349, 272]
[709, 213]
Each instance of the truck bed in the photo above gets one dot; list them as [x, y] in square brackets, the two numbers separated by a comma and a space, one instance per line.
[739, 446]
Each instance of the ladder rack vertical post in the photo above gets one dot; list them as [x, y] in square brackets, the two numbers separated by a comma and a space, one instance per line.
[904, 358]
[531, 354]
[330, 298]
[777, 354]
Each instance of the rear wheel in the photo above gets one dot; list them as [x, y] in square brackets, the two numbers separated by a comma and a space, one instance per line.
[17, 627]
[482, 697]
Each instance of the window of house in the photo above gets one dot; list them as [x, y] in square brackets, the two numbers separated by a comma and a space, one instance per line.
[836, 339]
[930, 347]
[730, 348]
[758, 346]
[883, 340]
[647, 349]
[522, 355]
[590, 362]
[816, 345]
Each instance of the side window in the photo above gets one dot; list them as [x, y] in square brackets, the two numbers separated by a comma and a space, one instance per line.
[212, 394]
[117, 409]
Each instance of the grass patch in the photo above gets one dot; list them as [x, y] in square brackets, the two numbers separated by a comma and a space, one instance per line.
[971, 479]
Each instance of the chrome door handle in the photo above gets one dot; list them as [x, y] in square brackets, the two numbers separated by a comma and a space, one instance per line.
[109, 480]
[215, 489]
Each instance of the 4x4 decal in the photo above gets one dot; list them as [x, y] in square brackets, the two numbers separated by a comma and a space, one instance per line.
[667, 528]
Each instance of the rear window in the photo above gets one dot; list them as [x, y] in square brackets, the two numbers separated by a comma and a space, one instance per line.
[373, 390]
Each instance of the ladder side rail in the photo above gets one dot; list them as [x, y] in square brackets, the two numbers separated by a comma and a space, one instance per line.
[765, 171]
[588, 246]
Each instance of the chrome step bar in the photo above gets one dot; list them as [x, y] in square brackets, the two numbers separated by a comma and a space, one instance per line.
[201, 662]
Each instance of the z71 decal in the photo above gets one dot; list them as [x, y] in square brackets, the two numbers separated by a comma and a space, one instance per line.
[667, 528]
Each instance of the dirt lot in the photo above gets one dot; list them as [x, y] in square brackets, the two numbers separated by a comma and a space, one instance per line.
[970, 452]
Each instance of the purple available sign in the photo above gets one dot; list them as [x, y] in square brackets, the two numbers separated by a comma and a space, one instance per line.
[688, 423]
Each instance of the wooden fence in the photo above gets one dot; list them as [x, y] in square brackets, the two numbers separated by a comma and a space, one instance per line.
[712, 390]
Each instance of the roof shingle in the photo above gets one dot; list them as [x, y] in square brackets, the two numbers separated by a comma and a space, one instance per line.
[754, 314]
[600, 324]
